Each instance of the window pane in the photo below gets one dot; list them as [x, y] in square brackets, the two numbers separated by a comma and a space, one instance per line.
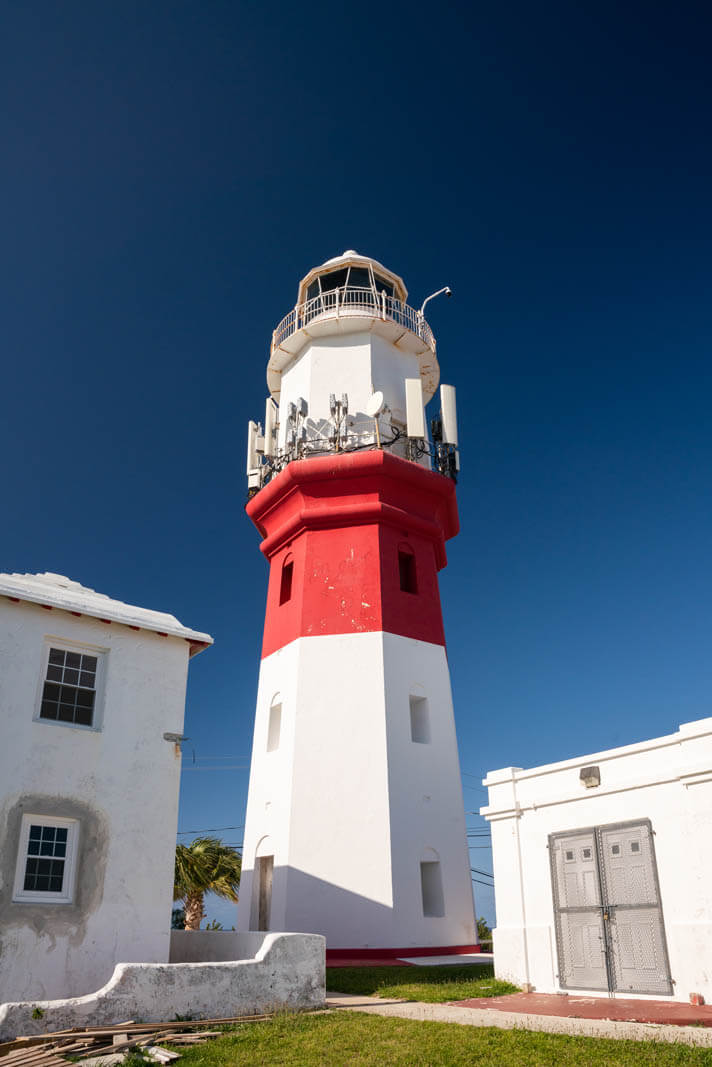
[313, 290]
[89, 663]
[55, 884]
[381, 283]
[87, 678]
[41, 883]
[54, 673]
[51, 692]
[36, 833]
[33, 848]
[61, 833]
[85, 698]
[71, 676]
[49, 709]
[285, 587]
[359, 278]
[406, 572]
[335, 280]
[66, 713]
[47, 848]
[74, 659]
[83, 716]
[56, 655]
[44, 866]
[60, 848]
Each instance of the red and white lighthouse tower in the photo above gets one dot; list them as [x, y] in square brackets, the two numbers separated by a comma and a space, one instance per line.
[355, 818]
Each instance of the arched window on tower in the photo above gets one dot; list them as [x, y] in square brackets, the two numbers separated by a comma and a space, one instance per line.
[274, 725]
[431, 885]
[285, 585]
[406, 569]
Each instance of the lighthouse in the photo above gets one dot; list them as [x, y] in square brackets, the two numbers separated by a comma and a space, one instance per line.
[355, 822]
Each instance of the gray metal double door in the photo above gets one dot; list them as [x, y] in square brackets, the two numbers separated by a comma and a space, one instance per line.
[609, 922]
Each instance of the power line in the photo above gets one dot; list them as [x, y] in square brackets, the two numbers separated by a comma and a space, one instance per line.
[236, 767]
[222, 757]
[211, 830]
[485, 873]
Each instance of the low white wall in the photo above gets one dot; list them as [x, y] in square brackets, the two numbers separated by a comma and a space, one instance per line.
[667, 780]
[287, 973]
[214, 946]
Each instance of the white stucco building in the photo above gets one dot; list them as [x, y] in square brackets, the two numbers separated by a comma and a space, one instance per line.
[89, 687]
[603, 869]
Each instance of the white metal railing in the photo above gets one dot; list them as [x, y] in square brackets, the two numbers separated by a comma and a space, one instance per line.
[352, 301]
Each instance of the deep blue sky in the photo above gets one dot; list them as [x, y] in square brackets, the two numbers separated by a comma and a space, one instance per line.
[171, 170]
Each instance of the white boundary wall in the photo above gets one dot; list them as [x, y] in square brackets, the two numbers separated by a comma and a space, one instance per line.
[667, 780]
[287, 972]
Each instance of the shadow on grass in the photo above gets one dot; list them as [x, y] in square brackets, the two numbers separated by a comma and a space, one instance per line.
[418, 983]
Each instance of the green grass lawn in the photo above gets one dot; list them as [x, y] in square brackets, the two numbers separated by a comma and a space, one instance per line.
[431, 984]
[349, 1039]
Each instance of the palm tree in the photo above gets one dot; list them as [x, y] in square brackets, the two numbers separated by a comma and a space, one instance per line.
[206, 865]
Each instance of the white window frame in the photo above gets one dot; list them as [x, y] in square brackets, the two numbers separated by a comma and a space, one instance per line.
[64, 645]
[27, 896]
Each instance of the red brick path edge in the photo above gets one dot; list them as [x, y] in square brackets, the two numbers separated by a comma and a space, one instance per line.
[383, 961]
[384, 957]
[575, 1007]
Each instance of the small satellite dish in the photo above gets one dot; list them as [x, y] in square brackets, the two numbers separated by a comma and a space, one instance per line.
[376, 404]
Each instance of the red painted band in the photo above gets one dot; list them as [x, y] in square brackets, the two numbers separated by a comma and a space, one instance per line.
[355, 543]
[390, 953]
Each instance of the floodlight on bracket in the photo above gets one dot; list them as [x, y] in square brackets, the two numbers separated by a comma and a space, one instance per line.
[445, 289]
[177, 740]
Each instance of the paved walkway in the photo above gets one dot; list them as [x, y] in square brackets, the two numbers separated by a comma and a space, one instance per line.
[524, 1020]
[577, 1007]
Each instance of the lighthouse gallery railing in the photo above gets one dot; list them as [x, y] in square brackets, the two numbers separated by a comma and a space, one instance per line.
[353, 301]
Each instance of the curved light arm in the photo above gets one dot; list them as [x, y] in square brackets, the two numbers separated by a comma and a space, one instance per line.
[445, 289]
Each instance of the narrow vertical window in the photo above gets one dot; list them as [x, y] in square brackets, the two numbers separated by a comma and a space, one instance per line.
[275, 725]
[419, 720]
[285, 586]
[265, 867]
[406, 570]
[431, 885]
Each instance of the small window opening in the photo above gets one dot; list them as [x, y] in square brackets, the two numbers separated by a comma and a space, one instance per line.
[419, 720]
[285, 587]
[265, 868]
[569, 856]
[431, 885]
[406, 571]
[615, 850]
[587, 853]
[635, 846]
[274, 727]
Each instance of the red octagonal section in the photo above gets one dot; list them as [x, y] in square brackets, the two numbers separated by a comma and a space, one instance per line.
[354, 543]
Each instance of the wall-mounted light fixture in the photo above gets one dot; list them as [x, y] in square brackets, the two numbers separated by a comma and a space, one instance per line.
[590, 776]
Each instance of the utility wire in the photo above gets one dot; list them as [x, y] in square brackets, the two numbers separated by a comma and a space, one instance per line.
[211, 830]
